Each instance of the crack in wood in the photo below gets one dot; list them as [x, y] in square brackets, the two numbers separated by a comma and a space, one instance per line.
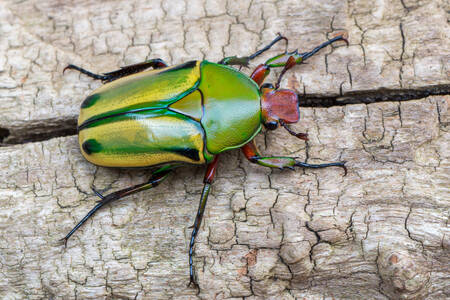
[373, 96]
[51, 128]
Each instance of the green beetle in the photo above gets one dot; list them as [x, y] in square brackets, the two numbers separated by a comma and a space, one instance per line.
[189, 113]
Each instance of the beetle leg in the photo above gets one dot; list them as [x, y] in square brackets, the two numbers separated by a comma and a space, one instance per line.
[251, 153]
[243, 61]
[282, 59]
[260, 73]
[158, 176]
[288, 60]
[209, 176]
[156, 63]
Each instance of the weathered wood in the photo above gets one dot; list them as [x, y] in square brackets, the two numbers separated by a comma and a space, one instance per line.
[381, 232]
[396, 46]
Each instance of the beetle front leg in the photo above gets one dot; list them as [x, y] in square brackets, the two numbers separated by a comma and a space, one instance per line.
[287, 60]
[156, 63]
[158, 176]
[243, 61]
[209, 176]
[251, 153]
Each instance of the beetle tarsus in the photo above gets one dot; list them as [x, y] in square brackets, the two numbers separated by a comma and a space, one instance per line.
[276, 40]
[306, 55]
[86, 72]
[244, 61]
[209, 176]
[155, 63]
[318, 166]
[155, 179]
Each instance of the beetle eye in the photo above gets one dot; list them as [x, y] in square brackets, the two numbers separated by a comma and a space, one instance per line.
[267, 86]
[272, 125]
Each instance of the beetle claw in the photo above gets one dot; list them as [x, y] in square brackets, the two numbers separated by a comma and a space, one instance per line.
[344, 167]
[67, 67]
[194, 284]
[63, 240]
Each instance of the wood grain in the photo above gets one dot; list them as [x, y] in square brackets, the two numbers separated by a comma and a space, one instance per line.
[381, 232]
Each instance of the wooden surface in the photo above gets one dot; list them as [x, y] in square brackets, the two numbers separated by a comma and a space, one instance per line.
[381, 232]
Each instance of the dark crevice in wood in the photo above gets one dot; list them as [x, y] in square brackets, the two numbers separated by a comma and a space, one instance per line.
[46, 129]
[4, 133]
[37, 131]
[373, 96]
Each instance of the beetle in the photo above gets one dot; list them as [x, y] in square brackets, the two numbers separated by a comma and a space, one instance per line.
[188, 113]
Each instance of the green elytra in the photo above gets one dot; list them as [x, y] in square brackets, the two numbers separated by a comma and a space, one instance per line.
[188, 113]
[199, 107]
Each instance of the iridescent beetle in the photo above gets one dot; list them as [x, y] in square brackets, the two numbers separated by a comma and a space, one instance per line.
[189, 113]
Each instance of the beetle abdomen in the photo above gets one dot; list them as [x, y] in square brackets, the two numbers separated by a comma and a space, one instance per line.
[143, 139]
[232, 107]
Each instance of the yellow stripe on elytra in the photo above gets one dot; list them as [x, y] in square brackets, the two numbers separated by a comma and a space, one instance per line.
[144, 141]
[147, 88]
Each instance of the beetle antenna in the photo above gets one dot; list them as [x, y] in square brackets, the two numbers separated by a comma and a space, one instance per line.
[302, 136]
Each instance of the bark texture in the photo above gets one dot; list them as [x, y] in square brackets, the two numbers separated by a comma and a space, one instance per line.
[381, 232]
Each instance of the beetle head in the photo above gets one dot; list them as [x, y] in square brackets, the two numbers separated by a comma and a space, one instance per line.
[278, 106]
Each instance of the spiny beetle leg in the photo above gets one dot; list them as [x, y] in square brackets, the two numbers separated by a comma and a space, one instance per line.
[209, 176]
[156, 63]
[156, 178]
[251, 153]
[243, 61]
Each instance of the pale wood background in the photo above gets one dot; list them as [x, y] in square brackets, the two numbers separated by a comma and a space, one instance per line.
[381, 232]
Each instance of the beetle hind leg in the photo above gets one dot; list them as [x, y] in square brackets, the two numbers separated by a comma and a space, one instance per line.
[157, 177]
[155, 63]
[209, 176]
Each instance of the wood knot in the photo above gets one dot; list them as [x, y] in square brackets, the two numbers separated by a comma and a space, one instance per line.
[404, 274]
